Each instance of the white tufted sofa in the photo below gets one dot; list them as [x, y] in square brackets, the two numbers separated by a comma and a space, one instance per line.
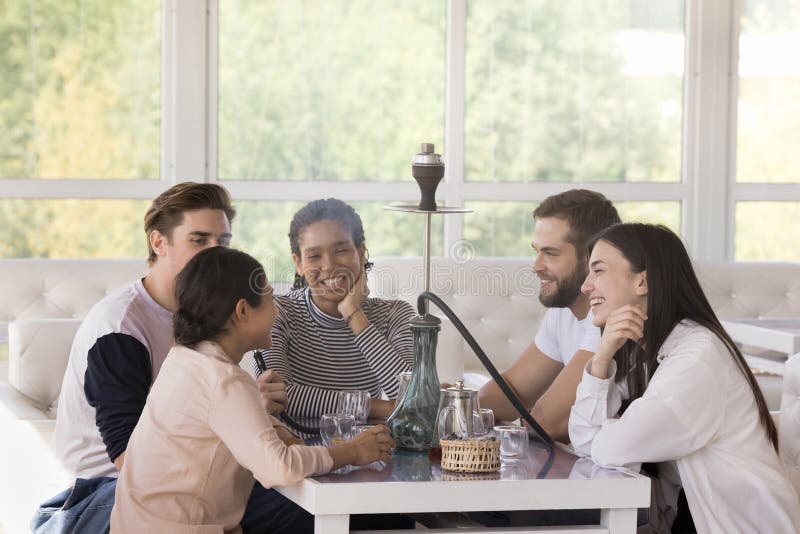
[496, 299]
[43, 301]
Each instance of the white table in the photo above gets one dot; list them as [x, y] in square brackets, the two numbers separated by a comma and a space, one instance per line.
[413, 484]
[779, 335]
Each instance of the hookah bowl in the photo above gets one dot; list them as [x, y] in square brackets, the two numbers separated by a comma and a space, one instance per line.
[427, 168]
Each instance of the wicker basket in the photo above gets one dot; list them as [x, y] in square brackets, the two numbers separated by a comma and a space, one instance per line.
[471, 456]
[450, 476]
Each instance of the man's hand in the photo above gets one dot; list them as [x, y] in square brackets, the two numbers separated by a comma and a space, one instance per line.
[272, 391]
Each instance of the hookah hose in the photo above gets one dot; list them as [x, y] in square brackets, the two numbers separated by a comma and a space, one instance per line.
[512, 397]
[493, 372]
[262, 366]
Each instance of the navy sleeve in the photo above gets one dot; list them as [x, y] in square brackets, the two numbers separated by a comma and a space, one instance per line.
[117, 380]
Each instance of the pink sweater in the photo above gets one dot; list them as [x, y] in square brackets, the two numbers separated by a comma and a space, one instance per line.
[201, 439]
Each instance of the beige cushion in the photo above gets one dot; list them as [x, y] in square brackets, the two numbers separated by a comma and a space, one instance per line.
[38, 352]
[37, 288]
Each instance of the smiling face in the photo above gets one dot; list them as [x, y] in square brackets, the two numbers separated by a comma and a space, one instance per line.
[611, 283]
[330, 262]
[556, 264]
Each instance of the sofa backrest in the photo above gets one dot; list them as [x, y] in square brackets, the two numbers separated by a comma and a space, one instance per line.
[37, 288]
[42, 303]
[497, 298]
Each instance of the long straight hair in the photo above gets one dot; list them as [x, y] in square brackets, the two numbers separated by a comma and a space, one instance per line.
[673, 294]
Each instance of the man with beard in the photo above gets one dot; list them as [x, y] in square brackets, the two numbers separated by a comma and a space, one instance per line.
[546, 374]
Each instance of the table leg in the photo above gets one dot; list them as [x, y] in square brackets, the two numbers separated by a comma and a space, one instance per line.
[331, 524]
[619, 520]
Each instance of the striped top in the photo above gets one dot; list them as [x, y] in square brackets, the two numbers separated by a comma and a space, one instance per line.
[318, 355]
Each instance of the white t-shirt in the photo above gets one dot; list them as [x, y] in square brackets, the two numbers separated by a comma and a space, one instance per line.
[561, 334]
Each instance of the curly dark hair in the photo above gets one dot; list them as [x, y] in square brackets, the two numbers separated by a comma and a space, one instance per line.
[325, 209]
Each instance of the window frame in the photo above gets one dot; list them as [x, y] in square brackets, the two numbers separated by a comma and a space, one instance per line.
[708, 191]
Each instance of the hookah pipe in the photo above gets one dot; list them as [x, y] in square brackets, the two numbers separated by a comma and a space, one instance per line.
[487, 363]
[262, 366]
[498, 378]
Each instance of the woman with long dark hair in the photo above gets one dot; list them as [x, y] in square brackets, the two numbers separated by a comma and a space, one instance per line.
[204, 434]
[329, 335]
[667, 385]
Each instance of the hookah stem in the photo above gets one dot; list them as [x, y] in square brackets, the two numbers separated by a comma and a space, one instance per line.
[485, 361]
[262, 366]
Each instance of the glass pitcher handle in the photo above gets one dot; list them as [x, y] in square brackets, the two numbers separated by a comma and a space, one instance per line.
[444, 414]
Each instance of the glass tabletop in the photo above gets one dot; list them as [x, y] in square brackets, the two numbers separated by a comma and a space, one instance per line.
[539, 463]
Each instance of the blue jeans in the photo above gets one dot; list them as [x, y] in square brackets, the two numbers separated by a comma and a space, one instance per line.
[84, 508]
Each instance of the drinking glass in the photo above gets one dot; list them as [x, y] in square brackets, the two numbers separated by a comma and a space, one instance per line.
[515, 470]
[336, 428]
[513, 441]
[355, 402]
[487, 420]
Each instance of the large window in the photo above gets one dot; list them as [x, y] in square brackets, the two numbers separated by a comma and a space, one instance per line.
[340, 90]
[768, 123]
[682, 112]
[80, 96]
[574, 91]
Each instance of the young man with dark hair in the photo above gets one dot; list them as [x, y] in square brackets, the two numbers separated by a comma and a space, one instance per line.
[546, 374]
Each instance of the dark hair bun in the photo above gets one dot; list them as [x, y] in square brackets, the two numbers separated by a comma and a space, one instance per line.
[208, 288]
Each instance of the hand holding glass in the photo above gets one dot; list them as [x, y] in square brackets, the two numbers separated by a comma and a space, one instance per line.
[355, 402]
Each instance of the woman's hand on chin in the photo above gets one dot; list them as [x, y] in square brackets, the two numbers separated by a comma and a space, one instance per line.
[624, 323]
[354, 299]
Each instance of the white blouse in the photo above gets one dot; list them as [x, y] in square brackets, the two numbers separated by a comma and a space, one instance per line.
[699, 412]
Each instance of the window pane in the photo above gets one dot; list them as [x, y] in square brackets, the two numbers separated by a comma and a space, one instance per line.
[80, 92]
[506, 228]
[574, 90]
[70, 228]
[768, 231]
[334, 90]
[769, 92]
[262, 228]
